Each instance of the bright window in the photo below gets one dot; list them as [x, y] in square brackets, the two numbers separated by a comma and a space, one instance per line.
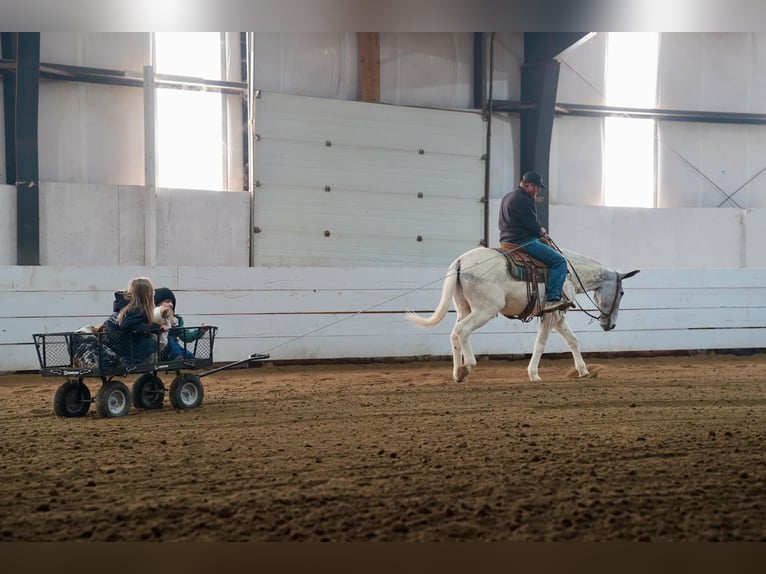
[191, 141]
[631, 81]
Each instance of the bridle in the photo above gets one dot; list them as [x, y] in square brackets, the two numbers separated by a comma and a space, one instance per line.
[603, 313]
[579, 281]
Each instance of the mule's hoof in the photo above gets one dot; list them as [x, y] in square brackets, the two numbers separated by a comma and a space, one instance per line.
[593, 372]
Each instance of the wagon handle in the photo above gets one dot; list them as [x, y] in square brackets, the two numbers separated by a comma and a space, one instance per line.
[252, 357]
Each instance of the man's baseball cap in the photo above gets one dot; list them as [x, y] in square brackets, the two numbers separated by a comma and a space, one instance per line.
[533, 177]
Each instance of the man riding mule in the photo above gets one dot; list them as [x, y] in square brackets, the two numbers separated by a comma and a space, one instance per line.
[520, 229]
[482, 284]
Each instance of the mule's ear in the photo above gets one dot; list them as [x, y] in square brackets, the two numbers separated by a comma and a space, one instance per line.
[629, 274]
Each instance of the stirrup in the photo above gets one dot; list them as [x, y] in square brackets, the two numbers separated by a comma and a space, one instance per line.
[551, 306]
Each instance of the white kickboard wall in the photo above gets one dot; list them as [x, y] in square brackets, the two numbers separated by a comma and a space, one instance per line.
[325, 313]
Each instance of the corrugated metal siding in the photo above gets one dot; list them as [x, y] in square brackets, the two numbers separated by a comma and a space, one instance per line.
[346, 183]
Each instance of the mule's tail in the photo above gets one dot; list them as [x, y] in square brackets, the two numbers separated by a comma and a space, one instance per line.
[448, 288]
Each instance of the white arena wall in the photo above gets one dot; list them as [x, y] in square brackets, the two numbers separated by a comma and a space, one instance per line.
[342, 313]
[697, 289]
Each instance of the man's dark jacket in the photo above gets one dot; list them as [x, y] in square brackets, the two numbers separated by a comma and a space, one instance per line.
[518, 218]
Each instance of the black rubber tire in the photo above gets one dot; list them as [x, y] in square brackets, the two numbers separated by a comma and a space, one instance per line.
[113, 400]
[148, 392]
[186, 392]
[72, 399]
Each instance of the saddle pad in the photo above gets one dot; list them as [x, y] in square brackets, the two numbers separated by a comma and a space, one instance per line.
[521, 266]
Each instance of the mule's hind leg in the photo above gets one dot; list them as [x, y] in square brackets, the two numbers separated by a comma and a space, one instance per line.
[462, 309]
[563, 329]
[460, 333]
[459, 371]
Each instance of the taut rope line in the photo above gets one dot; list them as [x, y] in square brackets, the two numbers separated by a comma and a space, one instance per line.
[352, 315]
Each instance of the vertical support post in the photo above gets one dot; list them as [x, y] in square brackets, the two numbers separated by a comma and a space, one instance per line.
[369, 66]
[27, 169]
[8, 52]
[539, 81]
[225, 115]
[488, 118]
[479, 72]
[251, 184]
[244, 74]
[150, 168]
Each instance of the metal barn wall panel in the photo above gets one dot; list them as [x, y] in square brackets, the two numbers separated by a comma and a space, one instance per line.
[321, 64]
[129, 51]
[433, 69]
[701, 165]
[628, 238]
[723, 71]
[508, 59]
[91, 133]
[104, 225]
[576, 164]
[416, 68]
[348, 183]
[211, 228]
[698, 163]
[582, 76]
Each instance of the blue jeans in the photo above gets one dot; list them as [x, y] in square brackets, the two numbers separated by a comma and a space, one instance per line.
[557, 267]
[176, 351]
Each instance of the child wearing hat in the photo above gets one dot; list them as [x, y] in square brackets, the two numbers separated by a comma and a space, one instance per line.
[164, 297]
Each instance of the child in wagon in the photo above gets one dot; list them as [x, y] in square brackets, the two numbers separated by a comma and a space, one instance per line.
[131, 331]
[175, 350]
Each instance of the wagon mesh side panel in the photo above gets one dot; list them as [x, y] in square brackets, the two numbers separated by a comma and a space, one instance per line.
[53, 350]
[127, 349]
[203, 346]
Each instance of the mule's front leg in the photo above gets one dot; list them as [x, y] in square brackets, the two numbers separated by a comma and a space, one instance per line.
[563, 329]
[542, 338]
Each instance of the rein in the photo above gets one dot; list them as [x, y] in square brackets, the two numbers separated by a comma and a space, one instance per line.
[614, 301]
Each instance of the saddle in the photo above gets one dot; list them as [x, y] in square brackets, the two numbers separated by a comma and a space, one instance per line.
[523, 267]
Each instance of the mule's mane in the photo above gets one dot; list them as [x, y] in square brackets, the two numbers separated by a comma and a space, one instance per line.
[590, 271]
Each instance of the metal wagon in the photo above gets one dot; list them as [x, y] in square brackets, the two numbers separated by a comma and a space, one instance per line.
[82, 354]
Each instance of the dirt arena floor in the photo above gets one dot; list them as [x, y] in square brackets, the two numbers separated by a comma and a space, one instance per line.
[652, 449]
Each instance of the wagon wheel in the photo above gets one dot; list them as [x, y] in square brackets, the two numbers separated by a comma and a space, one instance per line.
[72, 399]
[113, 400]
[186, 392]
[148, 392]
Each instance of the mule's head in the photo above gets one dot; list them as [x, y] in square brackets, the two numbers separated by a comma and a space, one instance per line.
[608, 297]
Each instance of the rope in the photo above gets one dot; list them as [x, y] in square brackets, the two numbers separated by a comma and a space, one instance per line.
[419, 288]
[366, 309]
